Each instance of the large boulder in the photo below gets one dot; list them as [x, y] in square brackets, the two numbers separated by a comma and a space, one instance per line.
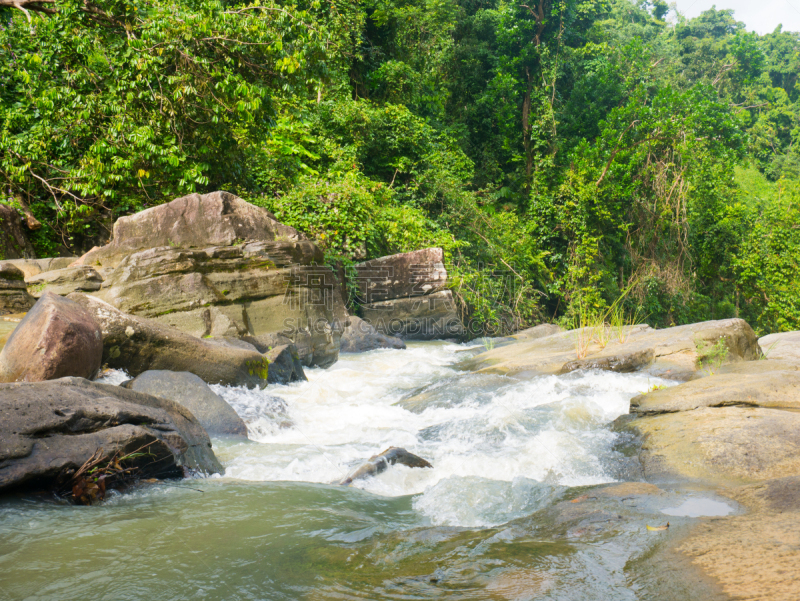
[677, 353]
[14, 243]
[32, 267]
[404, 295]
[48, 430]
[63, 281]
[214, 414]
[784, 346]
[14, 296]
[193, 221]
[360, 337]
[137, 344]
[57, 338]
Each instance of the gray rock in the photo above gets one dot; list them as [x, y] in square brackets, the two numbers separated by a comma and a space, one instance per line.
[360, 337]
[214, 414]
[14, 296]
[284, 365]
[49, 429]
[57, 338]
[137, 344]
[429, 317]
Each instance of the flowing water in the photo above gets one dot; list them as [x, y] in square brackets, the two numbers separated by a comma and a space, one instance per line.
[491, 520]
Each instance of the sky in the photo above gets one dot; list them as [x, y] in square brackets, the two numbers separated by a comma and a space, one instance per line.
[762, 16]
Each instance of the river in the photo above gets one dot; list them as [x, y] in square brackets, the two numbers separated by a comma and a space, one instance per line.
[486, 522]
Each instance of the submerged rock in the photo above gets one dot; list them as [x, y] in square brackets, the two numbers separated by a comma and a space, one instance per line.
[379, 463]
[57, 338]
[136, 345]
[49, 429]
[360, 337]
[14, 296]
[214, 414]
[676, 353]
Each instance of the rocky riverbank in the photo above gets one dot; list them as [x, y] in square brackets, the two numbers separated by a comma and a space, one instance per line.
[731, 427]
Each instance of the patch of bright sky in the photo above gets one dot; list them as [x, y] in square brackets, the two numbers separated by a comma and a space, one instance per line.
[762, 16]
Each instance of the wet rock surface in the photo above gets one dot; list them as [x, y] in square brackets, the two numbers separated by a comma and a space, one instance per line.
[57, 338]
[212, 412]
[49, 429]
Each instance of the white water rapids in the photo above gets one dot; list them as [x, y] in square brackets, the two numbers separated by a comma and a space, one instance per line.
[500, 447]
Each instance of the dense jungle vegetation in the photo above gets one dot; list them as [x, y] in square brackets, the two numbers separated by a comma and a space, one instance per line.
[564, 153]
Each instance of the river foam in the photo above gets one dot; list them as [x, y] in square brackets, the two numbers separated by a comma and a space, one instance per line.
[500, 447]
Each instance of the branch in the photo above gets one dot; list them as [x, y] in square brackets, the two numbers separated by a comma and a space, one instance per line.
[34, 5]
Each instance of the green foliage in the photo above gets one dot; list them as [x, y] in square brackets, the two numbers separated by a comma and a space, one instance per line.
[560, 152]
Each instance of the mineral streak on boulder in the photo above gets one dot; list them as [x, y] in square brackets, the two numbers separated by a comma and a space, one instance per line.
[49, 429]
[193, 221]
[137, 344]
[676, 353]
[404, 295]
[57, 338]
[14, 296]
[212, 412]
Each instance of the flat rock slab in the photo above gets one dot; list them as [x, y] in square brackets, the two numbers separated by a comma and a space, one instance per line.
[214, 414]
[66, 280]
[725, 445]
[32, 267]
[776, 389]
[784, 346]
[676, 353]
[49, 429]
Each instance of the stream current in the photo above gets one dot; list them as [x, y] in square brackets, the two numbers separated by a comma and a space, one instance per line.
[483, 523]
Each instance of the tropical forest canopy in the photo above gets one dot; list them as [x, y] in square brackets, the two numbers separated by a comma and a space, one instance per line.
[565, 154]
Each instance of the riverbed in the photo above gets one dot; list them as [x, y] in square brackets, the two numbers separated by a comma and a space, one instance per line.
[490, 520]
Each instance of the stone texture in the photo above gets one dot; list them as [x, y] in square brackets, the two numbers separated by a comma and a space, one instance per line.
[63, 281]
[251, 289]
[428, 317]
[137, 344]
[193, 221]
[784, 346]
[724, 446]
[776, 389]
[49, 429]
[360, 337]
[57, 338]
[14, 243]
[405, 295]
[414, 273]
[32, 267]
[675, 353]
[212, 412]
[14, 296]
[284, 365]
